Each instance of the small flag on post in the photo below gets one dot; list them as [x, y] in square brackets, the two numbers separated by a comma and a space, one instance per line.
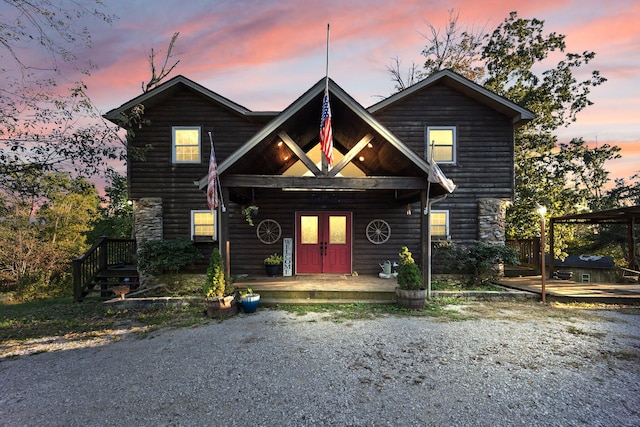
[438, 177]
[326, 133]
[212, 181]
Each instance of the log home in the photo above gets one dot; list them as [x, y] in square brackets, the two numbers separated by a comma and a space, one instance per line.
[342, 219]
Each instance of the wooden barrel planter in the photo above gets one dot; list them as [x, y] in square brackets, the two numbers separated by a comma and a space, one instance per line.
[412, 299]
[221, 307]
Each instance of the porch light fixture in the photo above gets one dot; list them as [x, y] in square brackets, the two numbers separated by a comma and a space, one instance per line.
[280, 143]
[542, 211]
[361, 158]
[408, 209]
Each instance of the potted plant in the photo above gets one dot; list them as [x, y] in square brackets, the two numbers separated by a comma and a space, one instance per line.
[249, 300]
[272, 264]
[218, 290]
[410, 292]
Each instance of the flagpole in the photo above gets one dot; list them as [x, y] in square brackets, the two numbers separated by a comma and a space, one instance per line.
[325, 162]
[326, 85]
[428, 213]
[219, 186]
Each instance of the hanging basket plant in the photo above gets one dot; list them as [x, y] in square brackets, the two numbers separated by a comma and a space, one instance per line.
[249, 212]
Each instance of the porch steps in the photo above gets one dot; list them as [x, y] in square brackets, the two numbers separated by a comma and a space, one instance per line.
[101, 288]
[270, 298]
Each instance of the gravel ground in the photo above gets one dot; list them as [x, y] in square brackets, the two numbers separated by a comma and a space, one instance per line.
[508, 365]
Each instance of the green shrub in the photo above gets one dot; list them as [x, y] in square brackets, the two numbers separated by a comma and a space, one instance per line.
[479, 259]
[409, 274]
[216, 285]
[166, 256]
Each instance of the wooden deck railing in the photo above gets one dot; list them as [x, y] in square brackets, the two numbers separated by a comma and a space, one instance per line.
[104, 253]
[528, 250]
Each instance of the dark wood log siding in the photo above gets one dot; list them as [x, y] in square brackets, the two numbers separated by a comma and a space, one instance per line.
[156, 176]
[484, 165]
[479, 130]
[248, 253]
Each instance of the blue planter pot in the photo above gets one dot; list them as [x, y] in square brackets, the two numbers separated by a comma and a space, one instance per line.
[250, 303]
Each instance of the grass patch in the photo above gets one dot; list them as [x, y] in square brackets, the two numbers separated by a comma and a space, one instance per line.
[437, 307]
[485, 287]
[577, 331]
[44, 320]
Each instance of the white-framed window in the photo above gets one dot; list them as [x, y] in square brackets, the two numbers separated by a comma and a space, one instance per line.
[186, 144]
[439, 225]
[441, 143]
[203, 225]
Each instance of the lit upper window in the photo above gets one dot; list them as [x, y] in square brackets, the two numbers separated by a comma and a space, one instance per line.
[441, 143]
[186, 144]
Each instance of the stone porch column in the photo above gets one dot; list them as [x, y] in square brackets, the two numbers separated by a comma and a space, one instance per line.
[147, 225]
[492, 223]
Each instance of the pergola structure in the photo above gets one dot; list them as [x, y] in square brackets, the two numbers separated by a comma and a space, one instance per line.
[628, 215]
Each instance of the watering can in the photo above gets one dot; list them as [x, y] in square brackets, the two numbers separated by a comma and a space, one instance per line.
[386, 267]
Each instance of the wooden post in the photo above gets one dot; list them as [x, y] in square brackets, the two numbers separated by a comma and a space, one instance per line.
[542, 247]
[425, 240]
[551, 246]
[632, 244]
[223, 238]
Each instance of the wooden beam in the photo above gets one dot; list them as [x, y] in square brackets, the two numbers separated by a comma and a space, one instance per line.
[325, 182]
[351, 155]
[297, 150]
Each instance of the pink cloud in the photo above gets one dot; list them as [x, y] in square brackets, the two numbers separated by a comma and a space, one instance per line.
[265, 54]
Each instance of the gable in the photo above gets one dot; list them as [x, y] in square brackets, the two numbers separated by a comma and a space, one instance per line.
[517, 114]
[282, 142]
[167, 90]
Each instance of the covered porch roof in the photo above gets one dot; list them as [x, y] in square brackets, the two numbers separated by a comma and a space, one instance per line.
[384, 162]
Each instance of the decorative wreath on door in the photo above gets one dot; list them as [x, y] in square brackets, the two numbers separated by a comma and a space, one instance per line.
[269, 231]
[378, 231]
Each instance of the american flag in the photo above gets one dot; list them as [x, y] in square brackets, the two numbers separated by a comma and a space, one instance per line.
[326, 134]
[212, 181]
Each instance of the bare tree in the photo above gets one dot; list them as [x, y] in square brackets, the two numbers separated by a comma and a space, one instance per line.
[413, 74]
[458, 49]
[156, 79]
[455, 48]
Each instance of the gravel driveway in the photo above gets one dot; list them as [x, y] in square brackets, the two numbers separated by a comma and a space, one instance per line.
[508, 365]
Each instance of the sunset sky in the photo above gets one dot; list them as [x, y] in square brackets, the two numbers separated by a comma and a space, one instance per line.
[263, 54]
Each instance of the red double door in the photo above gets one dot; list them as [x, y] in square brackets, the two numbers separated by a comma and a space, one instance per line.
[323, 242]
